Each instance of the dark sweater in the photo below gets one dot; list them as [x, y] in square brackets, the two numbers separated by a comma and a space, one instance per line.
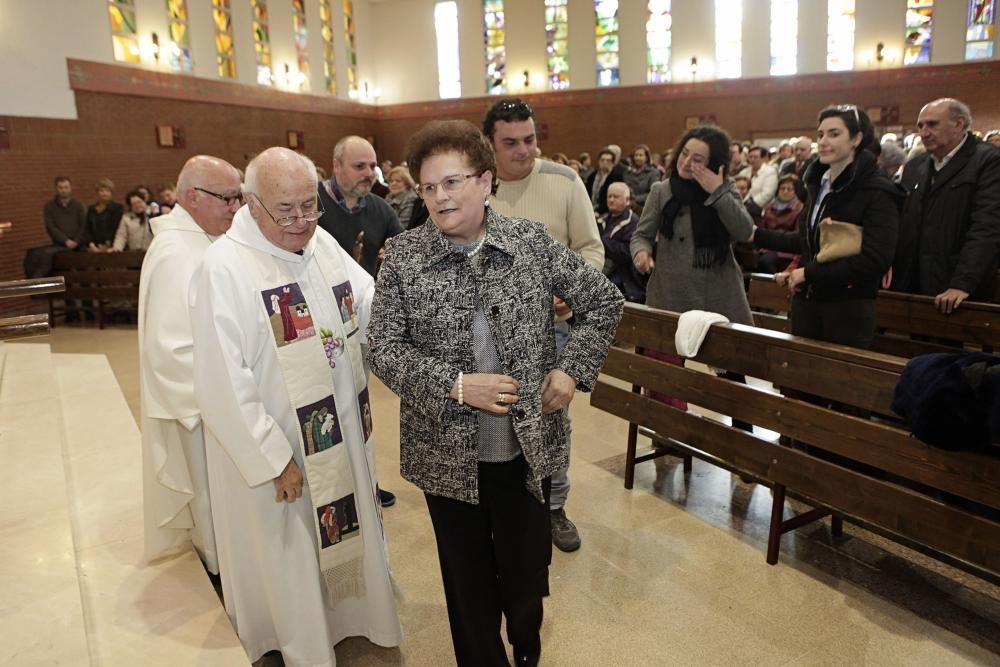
[862, 196]
[101, 227]
[65, 222]
[376, 218]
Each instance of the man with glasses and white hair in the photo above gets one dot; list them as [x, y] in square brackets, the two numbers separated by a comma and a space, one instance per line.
[280, 315]
[949, 230]
[175, 481]
[554, 195]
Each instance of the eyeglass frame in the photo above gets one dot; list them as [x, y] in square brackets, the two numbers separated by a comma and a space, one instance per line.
[238, 197]
[423, 194]
[289, 220]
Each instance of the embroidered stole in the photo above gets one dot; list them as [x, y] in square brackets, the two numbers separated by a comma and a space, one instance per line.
[310, 358]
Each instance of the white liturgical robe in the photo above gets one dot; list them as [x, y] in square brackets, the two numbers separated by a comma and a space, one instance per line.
[268, 559]
[176, 504]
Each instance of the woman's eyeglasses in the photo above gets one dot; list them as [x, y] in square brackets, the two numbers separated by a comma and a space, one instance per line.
[450, 184]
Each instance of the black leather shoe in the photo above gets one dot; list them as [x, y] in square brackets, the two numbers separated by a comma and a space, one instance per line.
[386, 499]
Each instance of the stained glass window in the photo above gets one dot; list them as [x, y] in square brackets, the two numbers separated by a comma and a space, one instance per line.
[179, 45]
[446, 32]
[329, 59]
[262, 42]
[225, 50]
[658, 41]
[982, 29]
[352, 49]
[839, 35]
[124, 38]
[496, 49]
[557, 43]
[784, 36]
[606, 35]
[728, 39]
[919, 22]
[301, 45]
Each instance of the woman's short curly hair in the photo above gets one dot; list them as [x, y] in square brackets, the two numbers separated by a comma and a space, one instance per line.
[446, 136]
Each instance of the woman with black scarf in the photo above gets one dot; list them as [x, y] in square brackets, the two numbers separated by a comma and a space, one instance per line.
[834, 301]
[693, 219]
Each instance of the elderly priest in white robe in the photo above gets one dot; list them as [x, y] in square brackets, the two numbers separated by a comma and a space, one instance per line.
[176, 505]
[279, 316]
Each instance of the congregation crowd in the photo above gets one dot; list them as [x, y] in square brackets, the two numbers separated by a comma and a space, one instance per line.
[482, 283]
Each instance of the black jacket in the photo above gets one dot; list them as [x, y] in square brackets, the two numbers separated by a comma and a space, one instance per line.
[861, 195]
[949, 233]
[616, 175]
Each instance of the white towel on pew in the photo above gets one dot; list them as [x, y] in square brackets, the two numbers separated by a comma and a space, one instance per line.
[692, 328]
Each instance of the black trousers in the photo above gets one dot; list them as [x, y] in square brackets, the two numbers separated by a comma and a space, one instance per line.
[494, 559]
[842, 322]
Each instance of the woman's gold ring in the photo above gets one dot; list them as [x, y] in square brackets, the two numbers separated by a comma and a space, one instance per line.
[500, 398]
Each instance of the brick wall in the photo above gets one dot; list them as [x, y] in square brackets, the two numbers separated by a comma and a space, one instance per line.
[587, 120]
[114, 134]
[114, 137]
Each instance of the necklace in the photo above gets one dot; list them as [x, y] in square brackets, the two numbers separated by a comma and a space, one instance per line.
[479, 246]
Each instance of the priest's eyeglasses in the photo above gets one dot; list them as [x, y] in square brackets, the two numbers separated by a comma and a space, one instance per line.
[450, 184]
[229, 199]
[288, 220]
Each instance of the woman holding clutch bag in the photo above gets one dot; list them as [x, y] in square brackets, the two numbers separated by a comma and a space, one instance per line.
[847, 233]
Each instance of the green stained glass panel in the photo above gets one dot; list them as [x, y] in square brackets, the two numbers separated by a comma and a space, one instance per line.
[122, 20]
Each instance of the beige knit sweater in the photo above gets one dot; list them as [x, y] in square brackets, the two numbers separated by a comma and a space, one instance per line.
[554, 195]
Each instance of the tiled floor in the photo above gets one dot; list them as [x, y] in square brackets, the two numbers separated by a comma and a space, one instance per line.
[673, 571]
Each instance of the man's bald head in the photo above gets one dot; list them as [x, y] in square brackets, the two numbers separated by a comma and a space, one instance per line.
[354, 167]
[281, 188]
[619, 197]
[205, 182]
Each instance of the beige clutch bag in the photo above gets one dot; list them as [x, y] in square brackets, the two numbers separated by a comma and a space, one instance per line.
[838, 240]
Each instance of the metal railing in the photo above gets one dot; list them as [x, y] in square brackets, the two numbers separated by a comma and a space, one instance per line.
[28, 326]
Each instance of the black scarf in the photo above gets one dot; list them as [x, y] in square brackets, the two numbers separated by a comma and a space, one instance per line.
[711, 240]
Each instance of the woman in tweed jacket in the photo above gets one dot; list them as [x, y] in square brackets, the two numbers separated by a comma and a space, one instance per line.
[462, 330]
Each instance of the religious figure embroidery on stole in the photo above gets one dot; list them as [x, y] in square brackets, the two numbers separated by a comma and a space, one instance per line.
[366, 413]
[320, 427]
[333, 346]
[289, 315]
[338, 521]
[345, 303]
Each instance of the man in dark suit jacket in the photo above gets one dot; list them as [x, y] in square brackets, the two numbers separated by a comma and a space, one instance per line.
[801, 158]
[607, 172]
[949, 232]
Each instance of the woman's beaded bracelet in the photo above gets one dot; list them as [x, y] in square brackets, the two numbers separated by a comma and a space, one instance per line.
[461, 393]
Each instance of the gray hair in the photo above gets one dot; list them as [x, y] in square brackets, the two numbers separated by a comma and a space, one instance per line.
[251, 182]
[892, 156]
[957, 110]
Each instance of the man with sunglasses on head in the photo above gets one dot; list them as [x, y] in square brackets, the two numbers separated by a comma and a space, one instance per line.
[554, 195]
[280, 321]
[175, 480]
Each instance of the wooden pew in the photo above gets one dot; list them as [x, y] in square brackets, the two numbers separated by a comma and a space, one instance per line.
[95, 281]
[904, 502]
[897, 316]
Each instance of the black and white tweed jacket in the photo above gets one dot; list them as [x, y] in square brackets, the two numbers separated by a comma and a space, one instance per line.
[420, 337]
